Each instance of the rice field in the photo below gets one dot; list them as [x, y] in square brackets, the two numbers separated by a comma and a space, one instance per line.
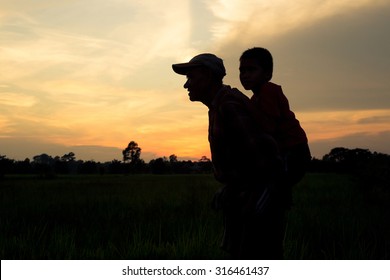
[169, 217]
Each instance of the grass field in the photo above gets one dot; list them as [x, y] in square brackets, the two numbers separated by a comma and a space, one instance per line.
[169, 217]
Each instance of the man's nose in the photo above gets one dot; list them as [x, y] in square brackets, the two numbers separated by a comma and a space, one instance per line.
[186, 85]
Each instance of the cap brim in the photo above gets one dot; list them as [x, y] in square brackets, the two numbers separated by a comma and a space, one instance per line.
[182, 68]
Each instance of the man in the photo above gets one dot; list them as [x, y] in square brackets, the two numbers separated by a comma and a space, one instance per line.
[245, 160]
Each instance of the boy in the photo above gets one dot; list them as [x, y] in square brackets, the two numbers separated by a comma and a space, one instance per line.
[273, 112]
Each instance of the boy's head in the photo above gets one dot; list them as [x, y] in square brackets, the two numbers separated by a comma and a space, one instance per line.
[256, 68]
[262, 56]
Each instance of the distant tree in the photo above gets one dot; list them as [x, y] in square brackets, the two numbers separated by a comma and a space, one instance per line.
[131, 153]
[42, 159]
[23, 167]
[68, 157]
[60, 167]
[115, 167]
[376, 173]
[205, 165]
[371, 169]
[319, 166]
[174, 164]
[348, 160]
[65, 164]
[140, 167]
[43, 165]
[204, 159]
[172, 158]
[5, 165]
[341, 154]
[131, 156]
[88, 167]
[159, 166]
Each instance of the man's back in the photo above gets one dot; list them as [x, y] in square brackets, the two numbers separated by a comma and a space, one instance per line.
[240, 150]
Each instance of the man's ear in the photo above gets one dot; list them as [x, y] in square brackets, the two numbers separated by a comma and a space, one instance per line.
[209, 74]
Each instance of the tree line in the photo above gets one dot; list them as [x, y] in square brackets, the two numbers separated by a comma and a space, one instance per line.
[47, 166]
[369, 167]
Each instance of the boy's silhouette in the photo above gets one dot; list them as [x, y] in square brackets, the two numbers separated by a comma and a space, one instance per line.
[275, 116]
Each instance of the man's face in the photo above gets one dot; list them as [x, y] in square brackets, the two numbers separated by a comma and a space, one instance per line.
[198, 83]
[252, 75]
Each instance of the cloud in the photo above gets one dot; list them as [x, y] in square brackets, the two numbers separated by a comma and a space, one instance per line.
[5, 126]
[19, 149]
[272, 18]
[108, 39]
[333, 124]
[384, 119]
[86, 69]
[345, 62]
[337, 62]
[16, 99]
[351, 129]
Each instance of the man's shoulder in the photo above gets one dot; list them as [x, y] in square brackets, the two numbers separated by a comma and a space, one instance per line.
[234, 95]
[234, 103]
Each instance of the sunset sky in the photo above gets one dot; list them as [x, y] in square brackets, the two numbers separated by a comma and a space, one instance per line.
[89, 76]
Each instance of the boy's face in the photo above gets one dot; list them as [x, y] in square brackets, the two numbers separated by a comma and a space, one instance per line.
[252, 75]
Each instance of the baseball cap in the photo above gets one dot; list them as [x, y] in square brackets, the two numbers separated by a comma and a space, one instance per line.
[211, 61]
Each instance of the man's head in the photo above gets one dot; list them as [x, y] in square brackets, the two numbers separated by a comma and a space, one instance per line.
[204, 76]
[256, 68]
[207, 60]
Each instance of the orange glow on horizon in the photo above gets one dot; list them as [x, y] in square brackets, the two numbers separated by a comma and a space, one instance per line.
[332, 125]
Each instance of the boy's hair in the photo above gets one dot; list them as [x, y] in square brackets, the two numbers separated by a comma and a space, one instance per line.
[262, 56]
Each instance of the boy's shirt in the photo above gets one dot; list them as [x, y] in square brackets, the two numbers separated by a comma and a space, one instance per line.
[273, 110]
